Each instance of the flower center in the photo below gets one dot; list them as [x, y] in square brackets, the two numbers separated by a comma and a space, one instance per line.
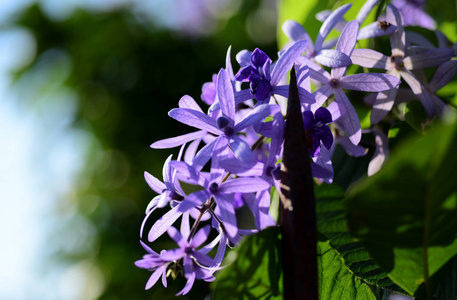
[223, 124]
[334, 83]
[213, 187]
[398, 61]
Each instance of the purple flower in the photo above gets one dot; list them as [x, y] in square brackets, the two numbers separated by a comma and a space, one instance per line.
[268, 170]
[221, 192]
[255, 68]
[327, 57]
[209, 91]
[224, 126]
[155, 263]
[372, 30]
[196, 265]
[317, 131]
[413, 14]
[400, 66]
[337, 81]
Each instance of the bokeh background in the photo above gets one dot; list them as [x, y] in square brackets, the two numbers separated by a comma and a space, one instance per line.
[85, 87]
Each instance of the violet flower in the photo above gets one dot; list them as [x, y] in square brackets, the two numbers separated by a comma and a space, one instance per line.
[196, 265]
[155, 263]
[413, 14]
[400, 66]
[375, 29]
[255, 68]
[337, 81]
[221, 192]
[317, 131]
[327, 57]
[224, 126]
[268, 170]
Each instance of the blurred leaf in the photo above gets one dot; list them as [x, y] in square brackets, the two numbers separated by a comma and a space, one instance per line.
[406, 215]
[256, 273]
[331, 222]
[301, 11]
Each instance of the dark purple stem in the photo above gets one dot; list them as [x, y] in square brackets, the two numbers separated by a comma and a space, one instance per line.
[298, 213]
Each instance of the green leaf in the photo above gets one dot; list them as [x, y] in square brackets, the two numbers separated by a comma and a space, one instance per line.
[337, 281]
[406, 214]
[257, 271]
[331, 222]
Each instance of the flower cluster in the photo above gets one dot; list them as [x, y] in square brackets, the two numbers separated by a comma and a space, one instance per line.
[234, 155]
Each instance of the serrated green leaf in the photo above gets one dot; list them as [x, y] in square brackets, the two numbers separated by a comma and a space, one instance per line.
[406, 214]
[337, 281]
[257, 271]
[331, 222]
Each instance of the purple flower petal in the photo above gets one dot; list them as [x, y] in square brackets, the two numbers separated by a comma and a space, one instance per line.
[162, 224]
[365, 10]
[397, 39]
[243, 185]
[185, 226]
[195, 119]
[443, 75]
[235, 166]
[349, 120]
[431, 58]
[154, 183]
[226, 212]
[259, 58]
[205, 154]
[348, 38]
[155, 276]
[191, 150]
[188, 286]
[241, 149]
[244, 58]
[286, 60]
[177, 237]
[323, 15]
[370, 59]
[346, 44]
[192, 174]
[369, 82]
[203, 259]
[225, 95]
[178, 140]
[383, 103]
[321, 95]
[350, 148]
[375, 30]
[333, 58]
[419, 90]
[189, 102]
[258, 114]
[200, 237]
[194, 199]
[262, 215]
[295, 31]
[228, 64]
[328, 25]
[219, 152]
[381, 153]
